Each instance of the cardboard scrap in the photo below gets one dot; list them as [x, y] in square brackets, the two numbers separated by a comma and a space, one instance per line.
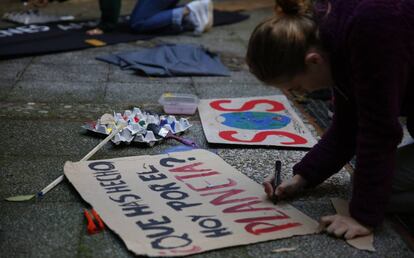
[136, 129]
[182, 203]
[95, 42]
[263, 120]
[363, 243]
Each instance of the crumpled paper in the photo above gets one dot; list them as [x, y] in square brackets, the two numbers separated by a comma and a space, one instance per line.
[136, 129]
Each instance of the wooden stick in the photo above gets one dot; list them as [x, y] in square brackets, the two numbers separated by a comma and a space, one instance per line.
[87, 156]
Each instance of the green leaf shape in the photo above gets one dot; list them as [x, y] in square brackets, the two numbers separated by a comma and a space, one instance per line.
[20, 198]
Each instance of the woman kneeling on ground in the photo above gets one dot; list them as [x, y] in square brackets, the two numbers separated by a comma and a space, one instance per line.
[364, 51]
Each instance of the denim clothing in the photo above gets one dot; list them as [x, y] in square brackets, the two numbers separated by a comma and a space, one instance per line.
[154, 15]
[147, 15]
[170, 60]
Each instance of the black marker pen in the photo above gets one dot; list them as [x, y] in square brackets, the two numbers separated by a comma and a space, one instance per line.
[277, 180]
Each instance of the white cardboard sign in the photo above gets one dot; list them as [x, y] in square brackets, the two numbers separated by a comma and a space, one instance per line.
[268, 120]
[182, 203]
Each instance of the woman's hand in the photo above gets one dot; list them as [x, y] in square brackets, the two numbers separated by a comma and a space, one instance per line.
[343, 226]
[286, 188]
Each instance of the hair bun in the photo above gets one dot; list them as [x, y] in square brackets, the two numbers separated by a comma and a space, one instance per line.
[293, 7]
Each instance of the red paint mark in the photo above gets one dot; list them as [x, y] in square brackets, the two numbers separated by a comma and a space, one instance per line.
[250, 228]
[254, 223]
[215, 187]
[212, 173]
[194, 249]
[190, 168]
[276, 106]
[261, 136]
[225, 194]
[248, 220]
[246, 207]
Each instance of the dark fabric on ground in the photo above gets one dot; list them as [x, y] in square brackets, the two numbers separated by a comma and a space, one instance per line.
[170, 60]
[42, 39]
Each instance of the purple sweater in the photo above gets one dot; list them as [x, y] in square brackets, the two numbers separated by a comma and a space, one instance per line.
[371, 47]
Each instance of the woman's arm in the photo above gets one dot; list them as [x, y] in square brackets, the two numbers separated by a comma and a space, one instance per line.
[379, 74]
[336, 147]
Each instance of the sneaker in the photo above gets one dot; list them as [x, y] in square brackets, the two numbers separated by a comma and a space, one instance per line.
[201, 15]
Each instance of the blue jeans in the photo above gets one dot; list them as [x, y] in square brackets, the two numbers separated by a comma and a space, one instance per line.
[154, 15]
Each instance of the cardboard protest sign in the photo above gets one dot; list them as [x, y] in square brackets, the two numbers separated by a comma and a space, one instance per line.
[254, 121]
[182, 203]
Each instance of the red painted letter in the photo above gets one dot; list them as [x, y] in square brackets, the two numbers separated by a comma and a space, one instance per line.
[246, 207]
[190, 168]
[276, 106]
[214, 187]
[225, 194]
[261, 136]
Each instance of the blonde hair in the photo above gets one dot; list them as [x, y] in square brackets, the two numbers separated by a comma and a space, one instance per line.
[278, 45]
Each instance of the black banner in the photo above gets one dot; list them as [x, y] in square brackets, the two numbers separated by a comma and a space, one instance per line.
[39, 39]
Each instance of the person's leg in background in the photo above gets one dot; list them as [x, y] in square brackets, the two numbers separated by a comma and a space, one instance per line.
[152, 15]
[110, 11]
[155, 15]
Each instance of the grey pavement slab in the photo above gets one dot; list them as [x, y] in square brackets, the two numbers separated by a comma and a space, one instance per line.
[79, 112]
[82, 57]
[118, 75]
[235, 77]
[245, 28]
[60, 72]
[46, 138]
[64, 91]
[40, 229]
[68, 139]
[235, 90]
[143, 92]
[19, 62]
[14, 69]
[28, 175]
[105, 244]
[6, 85]
[45, 100]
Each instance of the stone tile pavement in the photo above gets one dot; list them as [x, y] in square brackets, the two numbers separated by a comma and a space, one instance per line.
[44, 100]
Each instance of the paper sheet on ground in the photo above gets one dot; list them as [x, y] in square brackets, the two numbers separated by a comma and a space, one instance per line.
[266, 120]
[362, 243]
[182, 203]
